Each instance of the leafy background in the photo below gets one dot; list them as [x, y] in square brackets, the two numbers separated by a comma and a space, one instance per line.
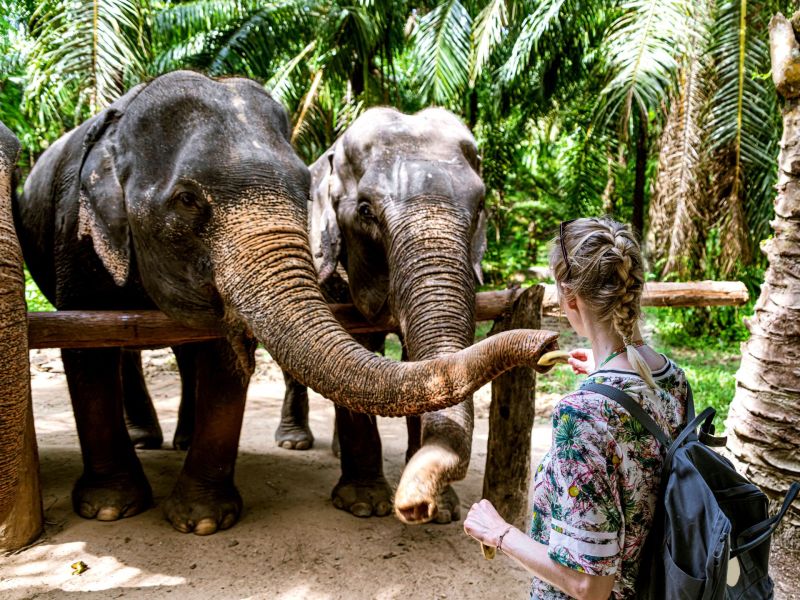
[660, 112]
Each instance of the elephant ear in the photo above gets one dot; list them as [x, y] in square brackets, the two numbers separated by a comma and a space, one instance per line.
[479, 245]
[326, 238]
[101, 203]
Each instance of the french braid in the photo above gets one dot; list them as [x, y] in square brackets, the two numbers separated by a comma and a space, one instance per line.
[605, 270]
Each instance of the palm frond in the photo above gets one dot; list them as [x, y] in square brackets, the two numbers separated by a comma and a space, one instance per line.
[91, 49]
[641, 58]
[487, 33]
[743, 128]
[441, 52]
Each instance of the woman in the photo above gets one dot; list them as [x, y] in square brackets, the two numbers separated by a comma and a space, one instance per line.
[595, 490]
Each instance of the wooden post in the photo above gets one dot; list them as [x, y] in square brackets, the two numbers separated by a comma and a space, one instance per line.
[507, 476]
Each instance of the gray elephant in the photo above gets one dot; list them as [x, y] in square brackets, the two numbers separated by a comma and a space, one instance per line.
[185, 195]
[398, 203]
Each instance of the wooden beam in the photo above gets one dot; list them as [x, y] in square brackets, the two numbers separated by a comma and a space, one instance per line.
[151, 329]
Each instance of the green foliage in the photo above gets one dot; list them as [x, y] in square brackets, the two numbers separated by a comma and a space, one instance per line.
[33, 297]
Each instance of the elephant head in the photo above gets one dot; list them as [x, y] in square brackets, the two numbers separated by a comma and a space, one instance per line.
[191, 185]
[398, 200]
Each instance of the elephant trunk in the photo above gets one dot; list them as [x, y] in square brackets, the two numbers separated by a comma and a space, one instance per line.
[432, 294]
[433, 285]
[266, 277]
[14, 372]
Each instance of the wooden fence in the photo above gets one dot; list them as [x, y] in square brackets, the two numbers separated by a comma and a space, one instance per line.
[507, 474]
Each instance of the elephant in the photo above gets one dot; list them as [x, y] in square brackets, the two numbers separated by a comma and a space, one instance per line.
[398, 204]
[185, 195]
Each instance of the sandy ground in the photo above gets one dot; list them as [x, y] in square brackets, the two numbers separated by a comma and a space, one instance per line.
[290, 543]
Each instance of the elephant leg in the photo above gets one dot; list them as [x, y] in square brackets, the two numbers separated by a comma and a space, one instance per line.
[293, 432]
[113, 484]
[186, 357]
[140, 414]
[414, 429]
[205, 498]
[362, 488]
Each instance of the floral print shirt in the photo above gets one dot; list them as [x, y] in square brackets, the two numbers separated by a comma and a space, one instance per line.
[595, 489]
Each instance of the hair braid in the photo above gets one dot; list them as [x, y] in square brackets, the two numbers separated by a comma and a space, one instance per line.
[605, 270]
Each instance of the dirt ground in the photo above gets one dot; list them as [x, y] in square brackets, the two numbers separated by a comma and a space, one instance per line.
[290, 543]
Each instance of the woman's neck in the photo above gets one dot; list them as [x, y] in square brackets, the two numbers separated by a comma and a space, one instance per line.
[605, 342]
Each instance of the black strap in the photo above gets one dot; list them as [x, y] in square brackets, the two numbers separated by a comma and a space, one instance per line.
[688, 432]
[771, 524]
[633, 407]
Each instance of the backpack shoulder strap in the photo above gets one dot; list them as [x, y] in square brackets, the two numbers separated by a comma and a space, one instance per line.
[633, 407]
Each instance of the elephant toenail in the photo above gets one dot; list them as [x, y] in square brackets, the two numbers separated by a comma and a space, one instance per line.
[361, 509]
[302, 445]
[205, 527]
[228, 521]
[443, 517]
[108, 513]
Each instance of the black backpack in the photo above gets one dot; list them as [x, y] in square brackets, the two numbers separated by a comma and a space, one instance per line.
[711, 530]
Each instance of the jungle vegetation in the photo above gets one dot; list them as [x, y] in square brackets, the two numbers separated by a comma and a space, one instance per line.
[660, 112]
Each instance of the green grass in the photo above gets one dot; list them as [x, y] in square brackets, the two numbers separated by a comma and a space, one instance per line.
[712, 375]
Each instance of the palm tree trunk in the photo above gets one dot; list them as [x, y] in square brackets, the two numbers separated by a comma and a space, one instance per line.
[641, 171]
[764, 419]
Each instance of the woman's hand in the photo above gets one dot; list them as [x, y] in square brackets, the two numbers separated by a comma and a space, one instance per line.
[484, 523]
[581, 360]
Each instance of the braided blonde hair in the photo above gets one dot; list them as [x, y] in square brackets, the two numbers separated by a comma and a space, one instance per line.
[605, 270]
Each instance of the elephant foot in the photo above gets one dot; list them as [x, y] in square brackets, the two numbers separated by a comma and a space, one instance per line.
[423, 494]
[146, 438]
[111, 497]
[292, 436]
[363, 498]
[182, 438]
[202, 508]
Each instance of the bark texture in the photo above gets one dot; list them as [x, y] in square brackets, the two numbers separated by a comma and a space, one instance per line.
[764, 419]
[20, 499]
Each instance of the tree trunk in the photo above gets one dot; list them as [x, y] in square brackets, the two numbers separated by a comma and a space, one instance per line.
[507, 477]
[641, 172]
[764, 419]
[20, 497]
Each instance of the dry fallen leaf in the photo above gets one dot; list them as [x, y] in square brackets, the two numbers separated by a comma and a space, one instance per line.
[78, 568]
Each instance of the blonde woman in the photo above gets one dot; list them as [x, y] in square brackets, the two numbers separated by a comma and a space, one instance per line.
[595, 490]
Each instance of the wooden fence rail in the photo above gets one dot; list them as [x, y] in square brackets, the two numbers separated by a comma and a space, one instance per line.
[96, 329]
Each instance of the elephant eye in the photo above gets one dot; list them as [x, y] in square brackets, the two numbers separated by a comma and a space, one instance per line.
[365, 211]
[188, 200]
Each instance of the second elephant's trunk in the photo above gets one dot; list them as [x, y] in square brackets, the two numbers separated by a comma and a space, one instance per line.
[267, 279]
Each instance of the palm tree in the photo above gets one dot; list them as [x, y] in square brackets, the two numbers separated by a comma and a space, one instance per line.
[717, 154]
[763, 418]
